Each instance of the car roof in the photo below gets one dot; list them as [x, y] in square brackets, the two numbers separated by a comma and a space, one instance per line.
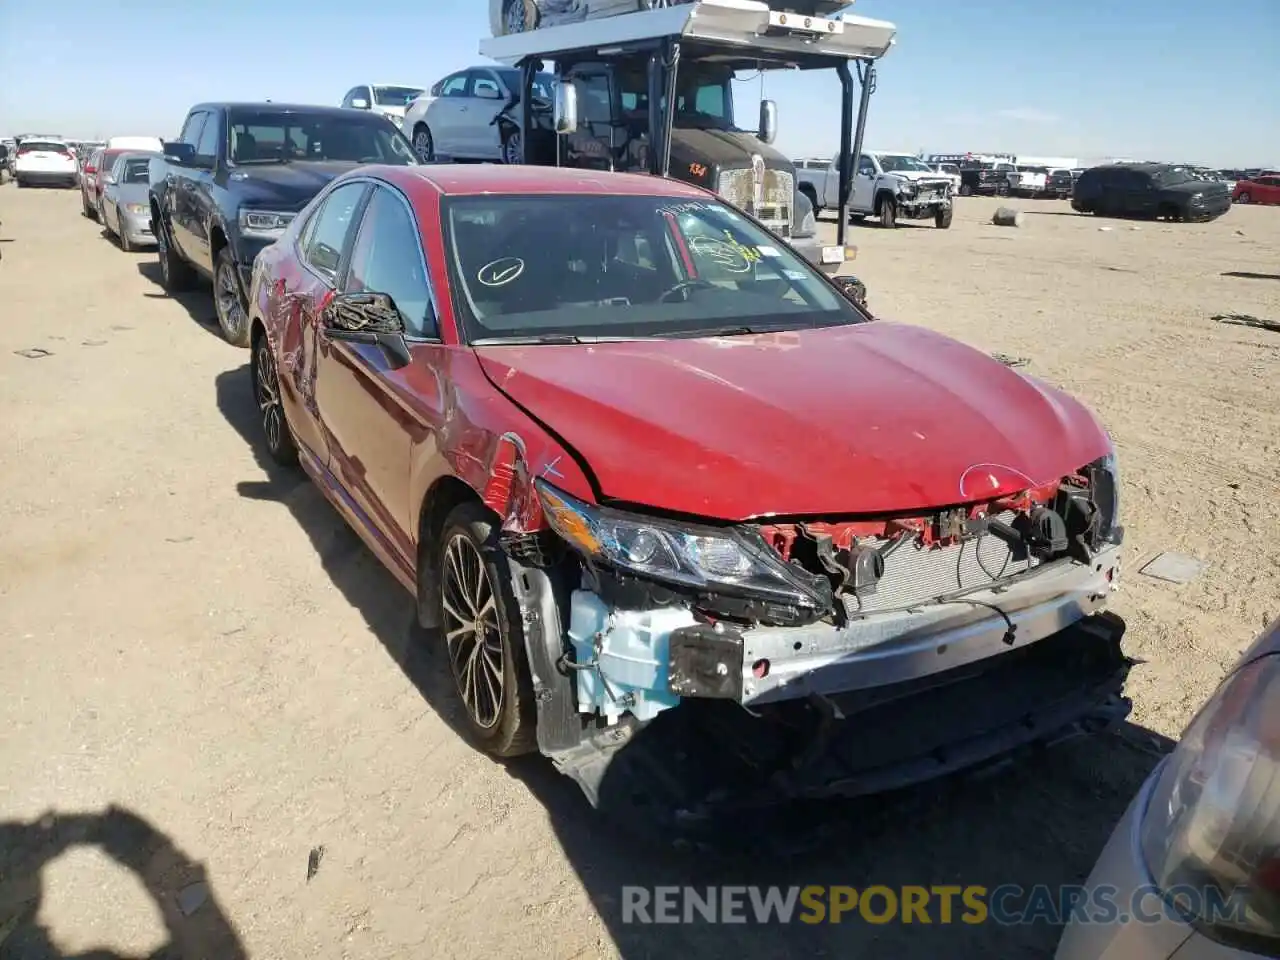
[464, 179]
[313, 109]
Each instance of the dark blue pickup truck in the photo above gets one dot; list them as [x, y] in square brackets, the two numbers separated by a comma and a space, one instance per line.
[235, 177]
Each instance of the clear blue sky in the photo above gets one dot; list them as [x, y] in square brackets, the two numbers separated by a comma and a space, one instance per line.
[1173, 79]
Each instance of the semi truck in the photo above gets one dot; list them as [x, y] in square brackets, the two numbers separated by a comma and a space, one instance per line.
[652, 91]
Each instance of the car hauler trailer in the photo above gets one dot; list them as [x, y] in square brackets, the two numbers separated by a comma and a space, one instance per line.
[652, 91]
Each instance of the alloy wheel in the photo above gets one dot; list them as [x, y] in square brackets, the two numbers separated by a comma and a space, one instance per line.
[515, 21]
[423, 146]
[511, 151]
[267, 393]
[472, 631]
[162, 251]
[226, 297]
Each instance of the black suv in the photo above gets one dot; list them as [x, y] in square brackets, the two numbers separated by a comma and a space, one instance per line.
[1149, 190]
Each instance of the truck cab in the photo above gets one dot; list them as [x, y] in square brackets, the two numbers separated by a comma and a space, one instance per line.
[652, 92]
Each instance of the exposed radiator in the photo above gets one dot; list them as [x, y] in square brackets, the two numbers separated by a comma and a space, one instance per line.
[770, 204]
[915, 575]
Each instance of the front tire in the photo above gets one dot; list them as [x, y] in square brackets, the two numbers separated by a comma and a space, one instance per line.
[942, 219]
[228, 302]
[271, 417]
[423, 146]
[1244, 198]
[483, 634]
[512, 146]
[176, 274]
[888, 213]
[519, 16]
[125, 243]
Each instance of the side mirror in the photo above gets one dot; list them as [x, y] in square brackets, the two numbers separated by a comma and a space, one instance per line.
[489, 93]
[371, 318]
[360, 103]
[768, 121]
[566, 108]
[180, 153]
[853, 289]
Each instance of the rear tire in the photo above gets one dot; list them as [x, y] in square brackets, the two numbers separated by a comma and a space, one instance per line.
[1002, 189]
[519, 16]
[512, 151]
[483, 633]
[176, 274]
[966, 190]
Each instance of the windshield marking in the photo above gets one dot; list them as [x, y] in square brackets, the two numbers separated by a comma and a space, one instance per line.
[500, 272]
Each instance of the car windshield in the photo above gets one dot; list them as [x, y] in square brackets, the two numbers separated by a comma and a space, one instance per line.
[395, 96]
[267, 137]
[1171, 176]
[900, 163]
[704, 98]
[543, 83]
[557, 268]
[136, 170]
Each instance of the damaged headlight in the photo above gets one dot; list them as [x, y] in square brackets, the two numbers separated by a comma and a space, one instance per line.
[707, 558]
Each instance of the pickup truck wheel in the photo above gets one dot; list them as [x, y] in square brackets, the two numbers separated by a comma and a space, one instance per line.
[483, 635]
[422, 144]
[266, 393]
[942, 219]
[233, 313]
[966, 190]
[176, 274]
[888, 213]
[1002, 189]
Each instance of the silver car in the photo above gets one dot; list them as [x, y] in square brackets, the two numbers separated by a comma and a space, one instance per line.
[125, 208]
[1194, 865]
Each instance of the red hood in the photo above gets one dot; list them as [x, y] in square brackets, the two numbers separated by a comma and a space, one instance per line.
[862, 419]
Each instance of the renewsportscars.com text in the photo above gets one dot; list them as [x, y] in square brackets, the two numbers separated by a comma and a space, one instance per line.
[938, 904]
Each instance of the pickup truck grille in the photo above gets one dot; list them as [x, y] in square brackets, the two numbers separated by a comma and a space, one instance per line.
[915, 575]
[771, 205]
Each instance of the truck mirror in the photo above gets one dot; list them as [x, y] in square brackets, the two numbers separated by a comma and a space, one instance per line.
[768, 121]
[179, 152]
[566, 108]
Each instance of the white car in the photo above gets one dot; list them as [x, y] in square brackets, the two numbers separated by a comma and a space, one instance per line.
[455, 118]
[891, 186]
[389, 99]
[951, 171]
[1029, 182]
[46, 162]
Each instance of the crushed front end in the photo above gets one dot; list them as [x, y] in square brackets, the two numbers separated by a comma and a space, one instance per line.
[841, 655]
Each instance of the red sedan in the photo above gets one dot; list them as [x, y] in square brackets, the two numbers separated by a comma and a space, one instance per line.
[1264, 188]
[96, 167]
[626, 449]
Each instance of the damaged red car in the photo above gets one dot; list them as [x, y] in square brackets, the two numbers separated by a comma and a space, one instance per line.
[633, 458]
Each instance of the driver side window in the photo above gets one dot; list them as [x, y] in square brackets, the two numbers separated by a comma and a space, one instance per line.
[387, 258]
[326, 236]
[865, 167]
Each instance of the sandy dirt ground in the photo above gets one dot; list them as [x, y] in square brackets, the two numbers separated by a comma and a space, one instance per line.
[208, 686]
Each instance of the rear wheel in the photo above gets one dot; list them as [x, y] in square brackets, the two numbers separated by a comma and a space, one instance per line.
[1002, 189]
[483, 634]
[519, 16]
[175, 273]
[422, 143]
[228, 302]
[266, 393]
[966, 190]
[888, 213]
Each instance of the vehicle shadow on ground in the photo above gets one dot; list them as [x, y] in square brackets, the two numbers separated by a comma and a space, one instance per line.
[198, 302]
[178, 886]
[1043, 821]
[1249, 275]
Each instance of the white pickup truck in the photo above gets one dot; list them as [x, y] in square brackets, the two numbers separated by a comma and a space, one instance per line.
[890, 186]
